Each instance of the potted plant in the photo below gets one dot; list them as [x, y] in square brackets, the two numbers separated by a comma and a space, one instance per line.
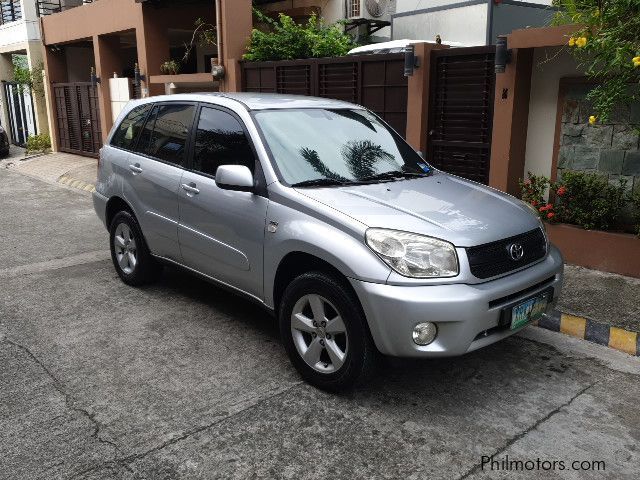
[170, 67]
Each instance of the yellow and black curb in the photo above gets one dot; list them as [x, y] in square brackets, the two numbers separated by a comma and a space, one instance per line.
[75, 183]
[592, 331]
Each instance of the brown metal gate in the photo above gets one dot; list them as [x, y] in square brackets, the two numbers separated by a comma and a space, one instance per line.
[78, 118]
[461, 111]
[374, 81]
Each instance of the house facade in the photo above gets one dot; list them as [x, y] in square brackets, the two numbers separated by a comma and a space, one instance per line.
[102, 53]
[22, 110]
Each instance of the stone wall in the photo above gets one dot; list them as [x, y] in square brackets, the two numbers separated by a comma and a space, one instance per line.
[611, 149]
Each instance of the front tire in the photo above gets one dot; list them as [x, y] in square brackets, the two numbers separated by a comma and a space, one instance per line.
[129, 252]
[325, 333]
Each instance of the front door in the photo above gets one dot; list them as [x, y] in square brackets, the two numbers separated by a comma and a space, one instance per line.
[153, 174]
[221, 232]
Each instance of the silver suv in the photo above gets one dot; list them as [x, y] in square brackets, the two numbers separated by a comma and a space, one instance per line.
[319, 211]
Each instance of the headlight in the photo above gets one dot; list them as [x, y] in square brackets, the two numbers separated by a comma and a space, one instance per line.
[414, 255]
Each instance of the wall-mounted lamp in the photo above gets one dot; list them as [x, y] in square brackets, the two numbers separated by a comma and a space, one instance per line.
[93, 78]
[137, 76]
[410, 60]
[217, 70]
[503, 54]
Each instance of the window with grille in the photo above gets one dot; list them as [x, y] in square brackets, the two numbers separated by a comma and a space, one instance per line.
[354, 8]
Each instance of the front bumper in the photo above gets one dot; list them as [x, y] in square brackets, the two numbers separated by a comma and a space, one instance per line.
[467, 316]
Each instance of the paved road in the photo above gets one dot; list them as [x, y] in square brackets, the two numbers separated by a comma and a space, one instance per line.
[184, 380]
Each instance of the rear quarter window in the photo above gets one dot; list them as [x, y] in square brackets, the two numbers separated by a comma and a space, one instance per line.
[127, 132]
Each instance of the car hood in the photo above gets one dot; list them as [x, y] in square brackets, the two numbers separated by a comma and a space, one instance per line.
[441, 205]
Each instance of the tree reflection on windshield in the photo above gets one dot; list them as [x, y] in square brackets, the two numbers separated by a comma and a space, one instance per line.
[364, 157]
[312, 157]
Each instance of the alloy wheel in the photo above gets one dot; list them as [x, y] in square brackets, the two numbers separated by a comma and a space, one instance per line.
[125, 248]
[319, 333]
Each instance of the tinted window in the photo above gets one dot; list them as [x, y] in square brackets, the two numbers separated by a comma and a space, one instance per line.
[165, 133]
[128, 130]
[220, 140]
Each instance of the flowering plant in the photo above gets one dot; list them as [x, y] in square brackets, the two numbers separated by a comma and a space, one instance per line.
[579, 198]
[607, 47]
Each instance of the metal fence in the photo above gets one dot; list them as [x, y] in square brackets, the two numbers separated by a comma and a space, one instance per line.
[373, 81]
[10, 11]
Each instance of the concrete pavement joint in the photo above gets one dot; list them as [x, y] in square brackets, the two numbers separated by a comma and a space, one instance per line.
[194, 431]
[527, 430]
[56, 264]
[69, 403]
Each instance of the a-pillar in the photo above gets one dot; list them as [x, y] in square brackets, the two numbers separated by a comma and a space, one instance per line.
[510, 122]
[236, 21]
[6, 74]
[55, 66]
[106, 49]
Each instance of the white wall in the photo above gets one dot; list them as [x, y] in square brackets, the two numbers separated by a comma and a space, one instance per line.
[549, 65]
[467, 25]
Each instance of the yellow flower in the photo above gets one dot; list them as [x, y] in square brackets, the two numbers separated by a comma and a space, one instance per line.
[592, 120]
[572, 42]
[636, 61]
[581, 42]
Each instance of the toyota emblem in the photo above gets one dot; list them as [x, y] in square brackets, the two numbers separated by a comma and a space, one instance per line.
[516, 251]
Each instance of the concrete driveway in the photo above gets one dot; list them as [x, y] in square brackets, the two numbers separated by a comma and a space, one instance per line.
[184, 380]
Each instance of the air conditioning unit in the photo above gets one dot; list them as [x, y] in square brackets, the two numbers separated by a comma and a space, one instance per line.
[370, 9]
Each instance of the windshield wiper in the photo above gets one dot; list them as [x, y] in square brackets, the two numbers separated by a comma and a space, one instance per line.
[320, 182]
[392, 175]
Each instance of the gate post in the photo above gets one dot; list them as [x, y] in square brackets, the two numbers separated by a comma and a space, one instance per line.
[6, 73]
[510, 122]
[108, 60]
[55, 65]
[418, 97]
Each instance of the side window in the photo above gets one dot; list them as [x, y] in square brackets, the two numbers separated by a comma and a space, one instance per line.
[220, 140]
[127, 132]
[165, 134]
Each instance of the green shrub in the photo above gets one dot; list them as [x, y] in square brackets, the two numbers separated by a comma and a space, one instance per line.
[288, 40]
[579, 198]
[635, 201]
[589, 200]
[38, 143]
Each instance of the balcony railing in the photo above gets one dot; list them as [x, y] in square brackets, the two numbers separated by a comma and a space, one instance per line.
[47, 7]
[10, 11]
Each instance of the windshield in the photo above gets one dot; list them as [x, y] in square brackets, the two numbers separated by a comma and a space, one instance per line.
[335, 146]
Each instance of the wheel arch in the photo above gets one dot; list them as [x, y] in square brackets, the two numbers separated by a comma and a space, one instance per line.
[114, 205]
[296, 263]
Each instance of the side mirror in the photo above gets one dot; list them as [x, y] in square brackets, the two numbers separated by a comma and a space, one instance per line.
[234, 177]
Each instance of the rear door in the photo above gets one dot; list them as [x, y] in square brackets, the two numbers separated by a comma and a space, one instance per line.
[154, 171]
[221, 232]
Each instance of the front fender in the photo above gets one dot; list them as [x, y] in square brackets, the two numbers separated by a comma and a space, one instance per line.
[345, 250]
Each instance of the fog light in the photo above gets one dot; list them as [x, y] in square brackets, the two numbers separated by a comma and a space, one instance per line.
[424, 333]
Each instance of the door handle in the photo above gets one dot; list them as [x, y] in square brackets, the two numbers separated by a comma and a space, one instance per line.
[135, 168]
[190, 188]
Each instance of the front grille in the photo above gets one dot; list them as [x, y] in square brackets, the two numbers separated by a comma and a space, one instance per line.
[493, 258]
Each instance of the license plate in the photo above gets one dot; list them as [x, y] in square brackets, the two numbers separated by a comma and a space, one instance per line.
[529, 310]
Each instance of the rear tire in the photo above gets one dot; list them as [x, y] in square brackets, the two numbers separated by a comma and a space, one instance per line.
[334, 355]
[129, 252]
